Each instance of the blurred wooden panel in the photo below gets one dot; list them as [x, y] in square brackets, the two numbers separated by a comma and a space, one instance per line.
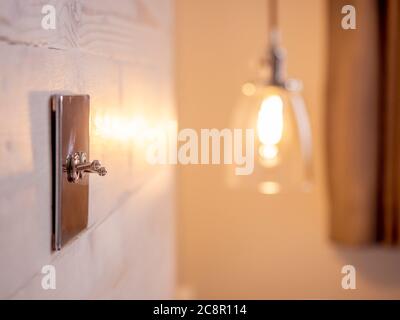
[389, 218]
[352, 123]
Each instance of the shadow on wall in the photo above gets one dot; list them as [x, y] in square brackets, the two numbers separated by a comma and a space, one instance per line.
[41, 136]
[26, 195]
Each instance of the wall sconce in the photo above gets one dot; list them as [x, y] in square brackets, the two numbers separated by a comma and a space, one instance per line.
[276, 110]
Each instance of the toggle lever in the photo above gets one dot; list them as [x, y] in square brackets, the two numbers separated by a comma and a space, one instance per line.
[76, 166]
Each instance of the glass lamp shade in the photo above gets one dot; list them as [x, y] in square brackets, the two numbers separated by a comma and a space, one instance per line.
[282, 146]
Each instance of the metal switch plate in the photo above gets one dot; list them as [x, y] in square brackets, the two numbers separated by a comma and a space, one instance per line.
[70, 131]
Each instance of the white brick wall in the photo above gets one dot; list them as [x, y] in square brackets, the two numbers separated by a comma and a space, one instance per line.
[120, 53]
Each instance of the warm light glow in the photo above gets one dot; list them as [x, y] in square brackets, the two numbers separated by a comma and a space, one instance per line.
[248, 89]
[134, 130]
[269, 187]
[270, 121]
[268, 152]
[118, 127]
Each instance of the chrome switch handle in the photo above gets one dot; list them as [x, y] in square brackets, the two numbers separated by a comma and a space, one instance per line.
[76, 165]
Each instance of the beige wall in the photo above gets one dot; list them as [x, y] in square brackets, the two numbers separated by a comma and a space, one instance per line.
[119, 52]
[237, 244]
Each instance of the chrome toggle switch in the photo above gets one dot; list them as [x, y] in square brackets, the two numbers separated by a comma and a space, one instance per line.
[76, 166]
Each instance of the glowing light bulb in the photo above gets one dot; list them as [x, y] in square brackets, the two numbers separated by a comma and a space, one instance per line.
[272, 106]
[270, 126]
[270, 120]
